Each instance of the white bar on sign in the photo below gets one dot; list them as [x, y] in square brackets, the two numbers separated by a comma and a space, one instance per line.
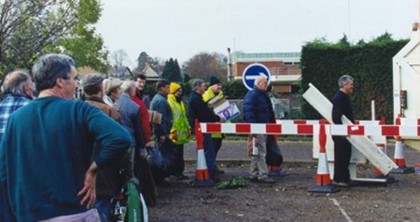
[409, 130]
[339, 130]
[373, 130]
[258, 128]
[228, 128]
[289, 129]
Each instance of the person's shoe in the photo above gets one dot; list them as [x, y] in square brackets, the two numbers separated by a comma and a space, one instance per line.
[181, 177]
[277, 173]
[253, 179]
[266, 180]
[219, 171]
[163, 183]
[342, 184]
[216, 178]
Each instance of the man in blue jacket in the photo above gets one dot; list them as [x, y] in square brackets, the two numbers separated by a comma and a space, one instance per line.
[46, 150]
[258, 109]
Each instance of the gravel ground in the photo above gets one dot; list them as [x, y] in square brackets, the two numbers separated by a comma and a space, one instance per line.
[288, 200]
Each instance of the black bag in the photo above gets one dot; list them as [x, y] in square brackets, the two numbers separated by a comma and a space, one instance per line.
[273, 157]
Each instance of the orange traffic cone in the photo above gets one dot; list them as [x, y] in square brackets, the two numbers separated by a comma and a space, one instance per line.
[399, 154]
[323, 183]
[202, 178]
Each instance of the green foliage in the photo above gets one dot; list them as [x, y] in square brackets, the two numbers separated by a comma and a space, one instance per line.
[29, 29]
[171, 71]
[369, 63]
[234, 89]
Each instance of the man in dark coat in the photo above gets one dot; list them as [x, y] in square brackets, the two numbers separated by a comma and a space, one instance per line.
[342, 147]
[258, 109]
[198, 109]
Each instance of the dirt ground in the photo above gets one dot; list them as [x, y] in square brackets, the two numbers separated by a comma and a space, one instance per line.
[288, 200]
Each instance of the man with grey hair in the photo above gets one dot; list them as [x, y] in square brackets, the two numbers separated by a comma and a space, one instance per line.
[49, 170]
[258, 109]
[199, 110]
[130, 119]
[18, 91]
[342, 147]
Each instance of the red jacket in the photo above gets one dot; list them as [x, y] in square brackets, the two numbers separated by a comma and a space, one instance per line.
[144, 116]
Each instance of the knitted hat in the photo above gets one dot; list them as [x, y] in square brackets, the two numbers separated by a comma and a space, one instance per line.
[173, 87]
[214, 80]
[110, 84]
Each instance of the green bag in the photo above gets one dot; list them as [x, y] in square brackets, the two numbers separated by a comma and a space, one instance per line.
[134, 206]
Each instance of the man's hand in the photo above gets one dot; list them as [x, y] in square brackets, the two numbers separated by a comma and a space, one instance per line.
[88, 192]
[162, 139]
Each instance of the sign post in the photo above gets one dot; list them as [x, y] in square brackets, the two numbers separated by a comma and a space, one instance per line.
[252, 71]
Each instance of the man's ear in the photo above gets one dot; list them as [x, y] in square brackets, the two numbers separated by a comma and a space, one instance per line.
[59, 82]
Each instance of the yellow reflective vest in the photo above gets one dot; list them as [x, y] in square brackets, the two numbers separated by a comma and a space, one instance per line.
[180, 131]
[208, 95]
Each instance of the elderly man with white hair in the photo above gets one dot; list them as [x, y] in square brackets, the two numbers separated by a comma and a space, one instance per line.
[258, 108]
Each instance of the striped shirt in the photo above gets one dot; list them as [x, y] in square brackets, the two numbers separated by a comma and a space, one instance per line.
[9, 105]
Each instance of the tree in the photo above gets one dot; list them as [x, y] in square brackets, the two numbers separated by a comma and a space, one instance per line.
[204, 65]
[119, 58]
[142, 61]
[171, 71]
[31, 28]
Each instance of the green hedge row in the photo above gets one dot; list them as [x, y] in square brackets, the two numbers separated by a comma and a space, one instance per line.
[370, 64]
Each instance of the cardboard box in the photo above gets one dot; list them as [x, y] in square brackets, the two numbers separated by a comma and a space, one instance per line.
[227, 110]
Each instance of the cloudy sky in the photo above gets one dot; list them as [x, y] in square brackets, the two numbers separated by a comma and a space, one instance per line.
[183, 28]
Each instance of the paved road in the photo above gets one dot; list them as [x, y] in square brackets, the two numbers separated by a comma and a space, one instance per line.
[293, 153]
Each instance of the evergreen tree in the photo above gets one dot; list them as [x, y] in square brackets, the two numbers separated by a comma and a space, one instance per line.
[171, 71]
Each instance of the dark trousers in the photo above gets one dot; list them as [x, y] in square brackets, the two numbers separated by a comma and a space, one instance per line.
[342, 154]
[217, 142]
[179, 162]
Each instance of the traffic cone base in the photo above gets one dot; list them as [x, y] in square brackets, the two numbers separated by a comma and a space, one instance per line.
[323, 183]
[399, 158]
[202, 178]
[403, 170]
[323, 189]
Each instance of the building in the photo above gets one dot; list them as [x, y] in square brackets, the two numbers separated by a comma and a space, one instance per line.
[283, 66]
[285, 73]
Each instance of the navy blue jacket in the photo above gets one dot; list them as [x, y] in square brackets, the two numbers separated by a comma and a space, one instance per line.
[258, 107]
[341, 106]
[198, 109]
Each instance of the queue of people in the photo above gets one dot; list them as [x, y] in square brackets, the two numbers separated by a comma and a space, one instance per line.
[63, 159]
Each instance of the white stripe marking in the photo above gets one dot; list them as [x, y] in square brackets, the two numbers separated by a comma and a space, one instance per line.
[342, 210]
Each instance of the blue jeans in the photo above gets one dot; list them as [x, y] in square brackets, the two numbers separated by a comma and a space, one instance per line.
[103, 204]
[209, 153]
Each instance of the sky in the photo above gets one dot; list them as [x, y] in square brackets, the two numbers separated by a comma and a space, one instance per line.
[180, 29]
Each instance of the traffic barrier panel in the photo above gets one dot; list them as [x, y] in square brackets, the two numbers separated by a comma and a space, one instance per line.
[202, 177]
[323, 183]
[399, 156]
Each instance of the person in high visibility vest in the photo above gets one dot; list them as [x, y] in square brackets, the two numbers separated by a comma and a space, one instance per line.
[215, 91]
[180, 131]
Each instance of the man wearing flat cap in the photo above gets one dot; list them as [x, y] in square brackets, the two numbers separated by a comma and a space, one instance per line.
[109, 179]
[112, 89]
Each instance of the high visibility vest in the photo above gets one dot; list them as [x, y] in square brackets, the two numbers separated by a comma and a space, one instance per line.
[180, 130]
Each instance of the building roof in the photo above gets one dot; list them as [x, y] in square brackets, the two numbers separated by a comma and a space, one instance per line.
[266, 56]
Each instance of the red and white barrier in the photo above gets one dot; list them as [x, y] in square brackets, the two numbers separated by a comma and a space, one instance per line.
[308, 129]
